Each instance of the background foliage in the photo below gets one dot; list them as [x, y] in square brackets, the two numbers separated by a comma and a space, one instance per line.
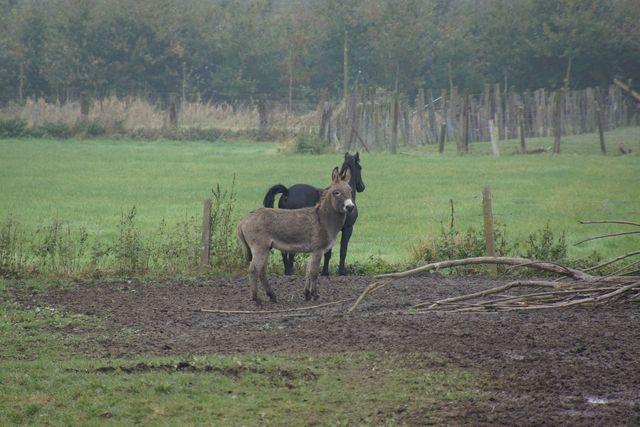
[241, 49]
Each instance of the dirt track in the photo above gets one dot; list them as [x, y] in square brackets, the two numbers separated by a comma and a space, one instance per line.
[577, 366]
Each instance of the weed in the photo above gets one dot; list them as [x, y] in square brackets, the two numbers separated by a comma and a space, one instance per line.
[129, 250]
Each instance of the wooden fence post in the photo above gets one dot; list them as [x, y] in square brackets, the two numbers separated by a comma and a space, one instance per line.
[465, 123]
[443, 137]
[394, 126]
[424, 134]
[264, 118]
[488, 227]
[603, 147]
[557, 118]
[173, 112]
[523, 144]
[493, 135]
[325, 122]
[206, 234]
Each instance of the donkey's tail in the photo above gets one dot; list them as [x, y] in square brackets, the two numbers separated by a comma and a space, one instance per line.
[269, 198]
[246, 251]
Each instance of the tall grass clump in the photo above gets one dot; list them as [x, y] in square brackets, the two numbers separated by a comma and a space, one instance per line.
[226, 253]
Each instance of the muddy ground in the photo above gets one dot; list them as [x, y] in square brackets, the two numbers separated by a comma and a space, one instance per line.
[573, 366]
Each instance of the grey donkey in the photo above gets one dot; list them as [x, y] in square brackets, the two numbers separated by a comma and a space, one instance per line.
[311, 230]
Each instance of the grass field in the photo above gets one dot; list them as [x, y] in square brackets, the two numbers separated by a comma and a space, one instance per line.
[90, 182]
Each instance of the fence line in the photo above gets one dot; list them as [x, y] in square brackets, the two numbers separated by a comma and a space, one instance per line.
[380, 119]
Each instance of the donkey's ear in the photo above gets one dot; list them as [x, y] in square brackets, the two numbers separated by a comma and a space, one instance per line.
[357, 156]
[335, 175]
[346, 175]
[346, 154]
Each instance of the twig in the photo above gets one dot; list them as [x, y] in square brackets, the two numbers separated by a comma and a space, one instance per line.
[487, 292]
[611, 222]
[312, 307]
[624, 233]
[611, 261]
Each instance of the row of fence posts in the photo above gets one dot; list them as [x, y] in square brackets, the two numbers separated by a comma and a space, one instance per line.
[374, 118]
[205, 260]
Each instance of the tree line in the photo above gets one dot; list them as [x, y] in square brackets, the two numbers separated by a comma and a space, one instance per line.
[224, 50]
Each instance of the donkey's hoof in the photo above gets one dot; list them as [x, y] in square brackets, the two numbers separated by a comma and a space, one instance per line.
[324, 273]
[307, 295]
[257, 301]
[342, 271]
[272, 297]
[316, 296]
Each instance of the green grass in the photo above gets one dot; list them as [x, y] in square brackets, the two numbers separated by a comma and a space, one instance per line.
[91, 182]
[46, 379]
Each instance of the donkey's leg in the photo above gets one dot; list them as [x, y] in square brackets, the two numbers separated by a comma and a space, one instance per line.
[344, 243]
[258, 262]
[313, 270]
[265, 282]
[325, 267]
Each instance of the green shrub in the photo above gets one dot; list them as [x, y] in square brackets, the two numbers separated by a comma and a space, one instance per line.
[12, 127]
[90, 129]
[544, 245]
[310, 144]
[52, 130]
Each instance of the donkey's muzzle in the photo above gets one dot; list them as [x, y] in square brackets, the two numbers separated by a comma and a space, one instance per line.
[348, 205]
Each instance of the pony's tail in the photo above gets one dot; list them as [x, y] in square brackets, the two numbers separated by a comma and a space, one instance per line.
[246, 251]
[269, 198]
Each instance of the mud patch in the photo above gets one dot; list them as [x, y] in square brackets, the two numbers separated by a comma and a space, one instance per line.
[539, 366]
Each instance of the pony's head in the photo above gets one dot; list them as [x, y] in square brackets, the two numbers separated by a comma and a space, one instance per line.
[352, 162]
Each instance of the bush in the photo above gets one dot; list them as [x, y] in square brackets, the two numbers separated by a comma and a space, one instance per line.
[12, 127]
[543, 245]
[307, 144]
[52, 130]
[90, 129]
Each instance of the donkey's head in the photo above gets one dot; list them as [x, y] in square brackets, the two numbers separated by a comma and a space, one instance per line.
[352, 162]
[339, 193]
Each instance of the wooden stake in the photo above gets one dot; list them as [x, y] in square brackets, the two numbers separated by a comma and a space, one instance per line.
[206, 233]
[488, 227]
[443, 136]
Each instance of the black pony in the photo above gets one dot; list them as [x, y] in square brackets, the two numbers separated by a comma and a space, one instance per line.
[303, 196]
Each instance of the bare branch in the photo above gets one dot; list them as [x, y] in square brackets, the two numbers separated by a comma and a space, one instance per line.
[624, 233]
[611, 222]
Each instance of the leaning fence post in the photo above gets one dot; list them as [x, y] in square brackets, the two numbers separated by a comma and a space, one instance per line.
[488, 227]
[206, 233]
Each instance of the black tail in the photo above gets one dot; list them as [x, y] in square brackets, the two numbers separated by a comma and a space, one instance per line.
[269, 198]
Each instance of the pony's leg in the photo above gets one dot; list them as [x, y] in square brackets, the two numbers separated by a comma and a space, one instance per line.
[344, 243]
[292, 259]
[285, 261]
[313, 271]
[255, 268]
[265, 282]
[325, 267]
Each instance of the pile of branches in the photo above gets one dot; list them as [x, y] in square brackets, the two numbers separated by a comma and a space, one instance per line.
[573, 287]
